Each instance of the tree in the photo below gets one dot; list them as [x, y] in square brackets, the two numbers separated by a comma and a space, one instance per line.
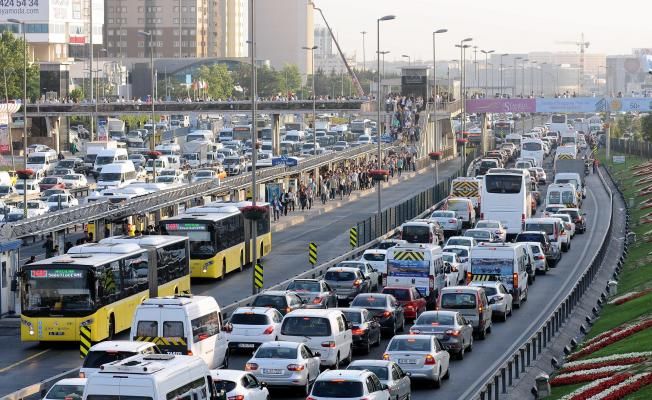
[11, 64]
[290, 78]
[219, 80]
[76, 94]
[646, 127]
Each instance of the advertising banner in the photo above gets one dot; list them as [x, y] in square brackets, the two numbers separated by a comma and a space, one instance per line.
[500, 105]
[571, 105]
[641, 104]
[6, 112]
[26, 10]
[409, 268]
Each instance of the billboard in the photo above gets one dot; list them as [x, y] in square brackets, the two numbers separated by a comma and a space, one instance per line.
[571, 105]
[500, 105]
[631, 104]
[27, 10]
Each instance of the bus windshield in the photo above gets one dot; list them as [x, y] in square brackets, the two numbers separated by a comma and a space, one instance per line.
[55, 289]
[202, 244]
[505, 184]
[532, 146]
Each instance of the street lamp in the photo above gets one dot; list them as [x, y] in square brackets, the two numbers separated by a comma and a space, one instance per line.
[408, 57]
[532, 67]
[486, 69]
[11, 140]
[379, 125]
[364, 53]
[523, 62]
[501, 74]
[463, 47]
[152, 138]
[314, 99]
[515, 76]
[541, 77]
[434, 98]
[22, 27]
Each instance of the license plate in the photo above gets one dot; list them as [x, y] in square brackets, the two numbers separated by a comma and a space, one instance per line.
[341, 297]
[404, 361]
[272, 371]
[246, 345]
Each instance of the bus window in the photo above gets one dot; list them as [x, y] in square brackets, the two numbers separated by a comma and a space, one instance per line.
[506, 184]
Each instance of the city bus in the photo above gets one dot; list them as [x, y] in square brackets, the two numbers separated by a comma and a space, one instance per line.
[533, 148]
[503, 128]
[220, 237]
[98, 285]
[506, 197]
[241, 132]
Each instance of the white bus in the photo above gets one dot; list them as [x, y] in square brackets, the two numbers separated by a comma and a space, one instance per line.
[506, 197]
[533, 148]
[558, 123]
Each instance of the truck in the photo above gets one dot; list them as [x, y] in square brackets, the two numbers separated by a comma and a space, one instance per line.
[116, 128]
[469, 188]
[179, 121]
[195, 152]
[568, 153]
[568, 170]
[92, 148]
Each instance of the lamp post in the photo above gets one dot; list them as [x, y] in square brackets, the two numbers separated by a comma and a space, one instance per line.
[501, 74]
[515, 76]
[532, 67]
[408, 57]
[11, 141]
[486, 69]
[379, 125]
[314, 100]
[523, 61]
[436, 144]
[463, 47]
[364, 53]
[22, 27]
[382, 69]
[152, 138]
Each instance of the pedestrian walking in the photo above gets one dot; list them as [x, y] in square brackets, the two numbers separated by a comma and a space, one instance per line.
[32, 259]
[49, 247]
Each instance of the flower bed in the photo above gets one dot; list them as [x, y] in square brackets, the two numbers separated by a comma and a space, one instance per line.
[24, 173]
[588, 375]
[254, 212]
[379, 174]
[613, 338]
[615, 358]
[603, 335]
[435, 155]
[629, 297]
[624, 388]
[593, 388]
[600, 364]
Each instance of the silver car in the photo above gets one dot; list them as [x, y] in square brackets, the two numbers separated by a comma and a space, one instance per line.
[347, 282]
[366, 269]
[314, 292]
[422, 356]
[390, 374]
[540, 263]
[499, 298]
[286, 364]
[448, 220]
[454, 332]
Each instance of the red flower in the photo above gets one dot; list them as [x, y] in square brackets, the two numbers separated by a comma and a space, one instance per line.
[25, 173]
[153, 154]
[462, 140]
[631, 388]
[625, 361]
[613, 381]
[254, 212]
[378, 172]
[620, 335]
[632, 297]
[572, 380]
[435, 155]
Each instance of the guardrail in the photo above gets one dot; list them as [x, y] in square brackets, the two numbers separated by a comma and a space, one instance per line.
[495, 382]
[633, 147]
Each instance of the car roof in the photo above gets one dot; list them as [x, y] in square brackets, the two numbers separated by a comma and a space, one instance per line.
[228, 374]
[537, 232]
[253, 310]
[434, 312]
[485, 283]
[71, 381]
[282, 343]
[408, 336]
[277, 292]
[121, 345]
[371, 363]
[342, 269]
[307, 312]
[349, 374]
[398, 287]
[459, 289]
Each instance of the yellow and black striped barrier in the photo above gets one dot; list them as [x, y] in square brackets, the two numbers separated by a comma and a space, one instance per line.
[484, 278]
[312, 253]
[258, 276]
[409, 255]
[163, 341]
[353, 237]
[595, 151]
[84, 341]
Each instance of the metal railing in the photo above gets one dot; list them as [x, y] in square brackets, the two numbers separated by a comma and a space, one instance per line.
[633, 147]
[496, 381]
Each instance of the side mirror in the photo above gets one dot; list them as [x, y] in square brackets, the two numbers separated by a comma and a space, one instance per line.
[408, 373]
[384, 386]
[316, 354]
[263, 385]
[349, 325]
[492, 301]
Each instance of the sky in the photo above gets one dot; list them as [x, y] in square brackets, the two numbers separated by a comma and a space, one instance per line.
[506, 26]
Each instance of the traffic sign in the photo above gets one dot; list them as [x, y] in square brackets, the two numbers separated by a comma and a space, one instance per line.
[353, 237]
[84, 341]
[258, 276]
[312, 253]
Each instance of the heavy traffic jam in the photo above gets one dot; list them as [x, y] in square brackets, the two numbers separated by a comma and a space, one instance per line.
[424, 296]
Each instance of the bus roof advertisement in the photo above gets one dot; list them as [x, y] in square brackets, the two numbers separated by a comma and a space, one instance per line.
[500, 105]
[409, 268]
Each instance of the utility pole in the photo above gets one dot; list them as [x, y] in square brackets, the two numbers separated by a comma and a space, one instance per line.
[364, 52]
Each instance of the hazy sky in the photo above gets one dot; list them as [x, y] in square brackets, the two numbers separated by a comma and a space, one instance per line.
[507, 26]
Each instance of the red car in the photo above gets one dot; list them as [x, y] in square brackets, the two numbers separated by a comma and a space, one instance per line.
[51, 182]
[409, 298]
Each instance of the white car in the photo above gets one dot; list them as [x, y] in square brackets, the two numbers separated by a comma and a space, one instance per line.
[239, 385]
[422, 356]
[73, 181]
[349, 384]
[541, 175]
[32, 187]
[376, 258]
[463, 255]
[496, 226]
[389, 373]
[70, 388]
[448, 221]
[540, 263]
[251, 326]
[499, 298]
[7, 191]
[169, 180]
[63, 200]
[364, 139]
[461, 241]
[287, 364]
[35, 208]
[569, 225]
[113, 350]
[454, 271]
[203, 175]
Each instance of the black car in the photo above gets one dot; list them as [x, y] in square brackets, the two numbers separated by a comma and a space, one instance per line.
[385, 308]
[553, 255]
[282, 300]
[578, 218]
[365, 330]
[75, 164]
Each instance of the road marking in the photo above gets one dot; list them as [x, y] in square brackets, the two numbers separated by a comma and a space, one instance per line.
[7, 368]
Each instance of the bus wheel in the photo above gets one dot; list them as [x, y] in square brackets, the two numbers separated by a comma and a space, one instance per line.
[111, 327]
[241, 262]
[176, 290]
[260, 254]
[223, 277]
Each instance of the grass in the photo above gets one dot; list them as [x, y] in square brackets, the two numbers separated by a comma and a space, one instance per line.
[640, 341]
[615, 315]
[560, 391]
[643, 394]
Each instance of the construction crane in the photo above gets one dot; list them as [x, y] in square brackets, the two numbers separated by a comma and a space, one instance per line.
[354, 78]
[583, 45]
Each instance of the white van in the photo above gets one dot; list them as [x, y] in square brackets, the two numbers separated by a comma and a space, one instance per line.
[117, 175]
[113, 350]
[41, 161]
[201, 135]
[422, 231]
[508, 263]
[563, 194]
[574, 179]
[183, 325]
[108, 156]
[418, 265]
[161, 163]
[295, 136]
[324, 331]
[152, 377]
[463, 208]
[553, 227]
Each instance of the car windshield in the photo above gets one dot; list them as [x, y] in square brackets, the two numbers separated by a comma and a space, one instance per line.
[165, 179]
[65, 392]
[36, 160]
[490, 290]
[443, 214]
[374, 256]
[435, 319]
[233, 161]
[416, 234]
[110, 176]
[380, 371]
[503, 184]
[50, 180]
[306, 326]
[458, 300]
[460, 252]
[42, 290]
[304, 286]
[457, 206]
[55, 198]
[369, 302]
[72, 177]
[203, 174]
[353, 316]
[448, 258]
[477, 234]
[540, 227]
[277, 352]
[535, 249]
[484, 224]
[66, 164]
[337, 388]
[529, 237]
[399, 293]
[95, 359]
[458, 242]
[532, 146]
[340, 276]
[249, 318]
[385, 245]
[265, 300]
[411, 344]
[5, 189]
